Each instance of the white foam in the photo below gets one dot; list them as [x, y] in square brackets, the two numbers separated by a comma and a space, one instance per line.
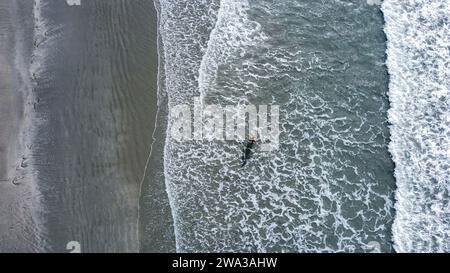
[419, 91]
[181, 35]
[233, 33]
[288, 200]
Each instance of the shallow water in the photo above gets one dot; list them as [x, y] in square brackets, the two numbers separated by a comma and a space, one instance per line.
[330, 185]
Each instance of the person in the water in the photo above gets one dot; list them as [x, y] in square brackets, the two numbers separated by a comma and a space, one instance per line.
[248, 150]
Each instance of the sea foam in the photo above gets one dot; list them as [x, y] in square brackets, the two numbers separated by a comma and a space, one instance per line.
[328, 188]
[418, 60]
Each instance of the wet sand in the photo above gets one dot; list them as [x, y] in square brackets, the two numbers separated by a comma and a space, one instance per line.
[156, 222]
[97, 95]
[20, 230]
[94, 90]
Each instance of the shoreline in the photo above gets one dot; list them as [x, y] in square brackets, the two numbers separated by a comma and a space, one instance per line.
[157, 230]
[77, 200]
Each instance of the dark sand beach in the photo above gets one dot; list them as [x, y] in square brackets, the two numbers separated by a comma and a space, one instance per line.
[99, 108]
[20, 228]
[93, 79]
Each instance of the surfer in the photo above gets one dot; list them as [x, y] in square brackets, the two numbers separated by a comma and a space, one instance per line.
[248, 150]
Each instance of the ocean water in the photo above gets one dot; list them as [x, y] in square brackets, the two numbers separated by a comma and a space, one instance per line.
[86, 154]
[330, 185]
[419, 91]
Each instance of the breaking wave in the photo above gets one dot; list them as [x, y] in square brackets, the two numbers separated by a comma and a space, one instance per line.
[419, 92]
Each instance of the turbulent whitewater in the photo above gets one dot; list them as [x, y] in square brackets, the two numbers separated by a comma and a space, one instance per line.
[419, 91]
[330, 185]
